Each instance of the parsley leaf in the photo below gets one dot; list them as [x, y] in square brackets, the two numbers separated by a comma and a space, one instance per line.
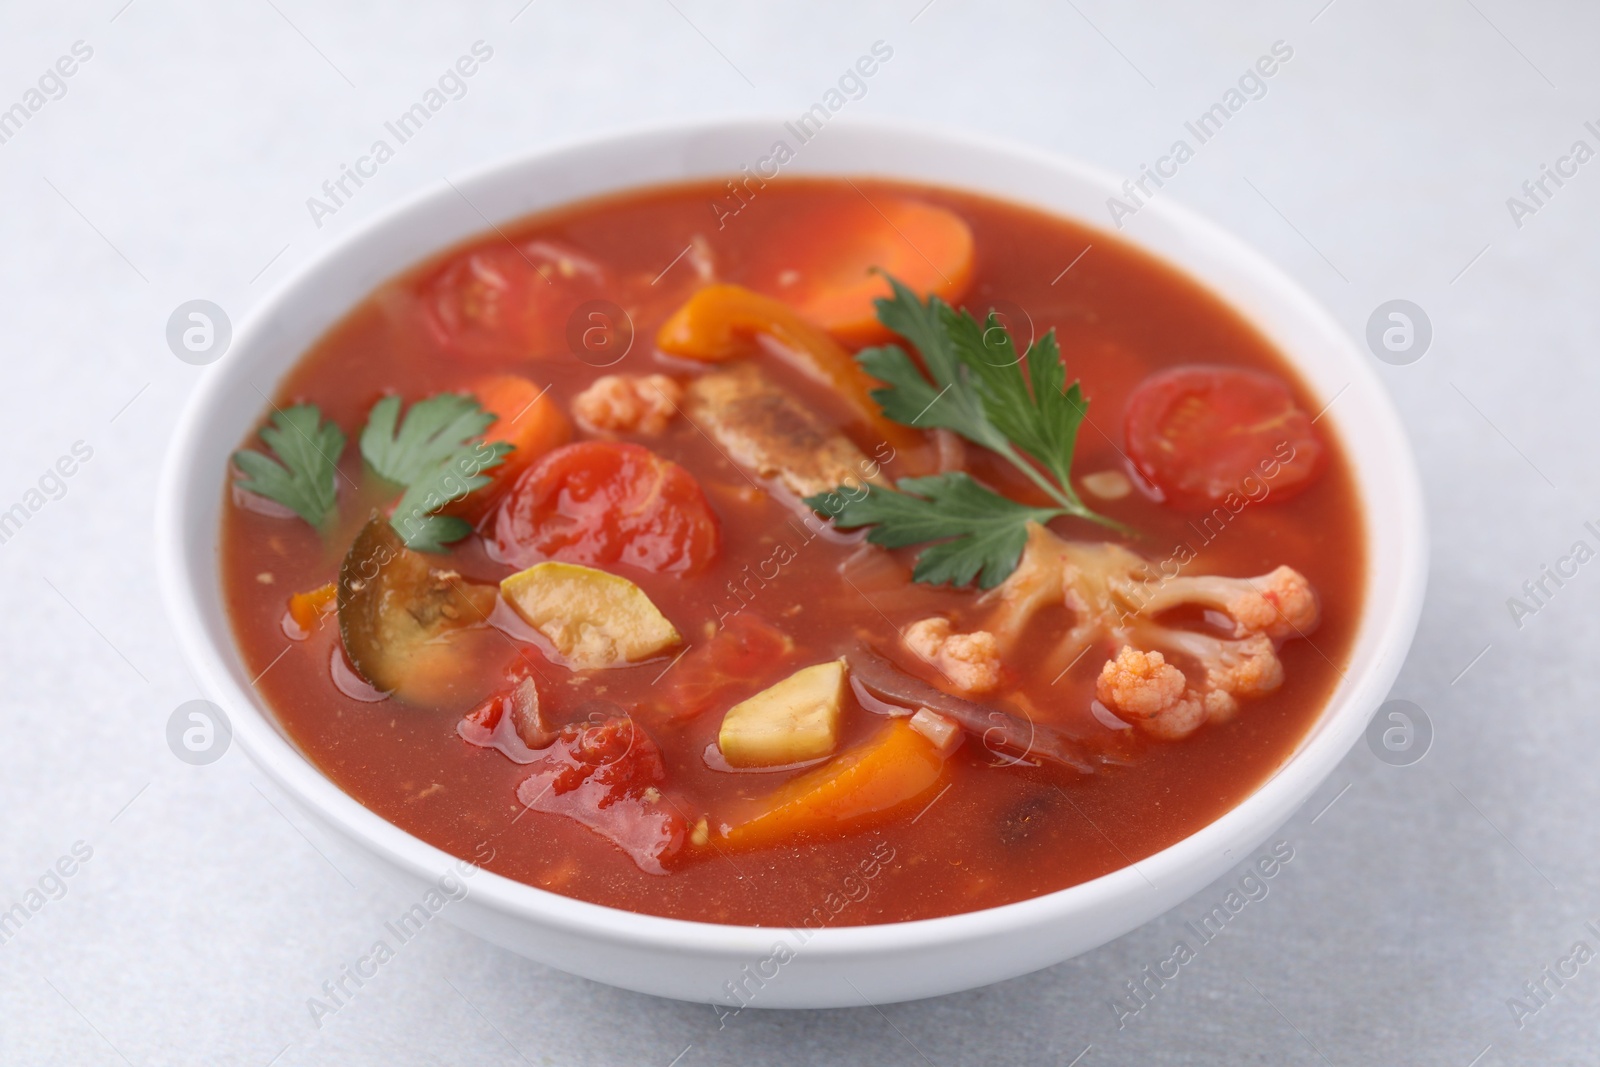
[980, 390]
[414, 519]
[979, 533]
[301, 470]
[435, 452]
[1033, 411]
[948, 402]
[433, 431]
[972, 381]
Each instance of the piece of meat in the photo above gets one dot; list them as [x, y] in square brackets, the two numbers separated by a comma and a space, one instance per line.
[764, 429]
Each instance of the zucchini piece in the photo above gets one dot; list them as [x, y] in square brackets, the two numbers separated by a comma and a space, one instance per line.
[593, 618]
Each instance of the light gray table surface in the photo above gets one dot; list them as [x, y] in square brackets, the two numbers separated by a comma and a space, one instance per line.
[175, 163]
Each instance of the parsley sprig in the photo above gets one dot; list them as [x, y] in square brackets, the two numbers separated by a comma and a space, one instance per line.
[300, 472]
[978, 533]
[979, 386]
[435, 453]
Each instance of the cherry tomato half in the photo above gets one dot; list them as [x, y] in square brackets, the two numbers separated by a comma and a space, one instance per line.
[1199, 433]
[503, 300]
[600, 502]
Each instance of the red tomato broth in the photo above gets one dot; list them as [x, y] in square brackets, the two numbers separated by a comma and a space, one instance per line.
[997, 834]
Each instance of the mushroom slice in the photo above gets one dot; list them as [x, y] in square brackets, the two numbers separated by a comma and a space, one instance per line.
[397, 611]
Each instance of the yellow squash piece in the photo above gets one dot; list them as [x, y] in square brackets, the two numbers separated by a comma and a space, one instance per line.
[593, 618]
[791, 722]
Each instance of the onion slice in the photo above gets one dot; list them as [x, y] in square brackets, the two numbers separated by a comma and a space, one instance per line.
[999, 731]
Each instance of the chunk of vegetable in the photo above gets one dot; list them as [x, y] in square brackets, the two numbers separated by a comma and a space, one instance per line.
[528, 420]
[594, 619]
[396, 612]
[1203, 433]
[628, 403]
[707, 675]
[1019, 737]
[944, 732]
[889, 772]
[791, 722]
[1117, 601]
[725, 322]
[607, 774]
[835, 251]
[600, 502]
[506, 301]
[510, 721]
[308, 608]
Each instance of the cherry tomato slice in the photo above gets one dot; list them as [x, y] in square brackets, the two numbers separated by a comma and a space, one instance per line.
[600, 502]
[505, 301]
[1199, 433]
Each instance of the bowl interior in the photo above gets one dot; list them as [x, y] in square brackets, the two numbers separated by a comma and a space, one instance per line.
[234, 391]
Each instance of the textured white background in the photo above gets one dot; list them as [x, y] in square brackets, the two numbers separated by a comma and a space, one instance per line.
[177, 166]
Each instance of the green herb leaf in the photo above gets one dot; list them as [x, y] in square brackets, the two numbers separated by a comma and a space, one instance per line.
[436, 453]
[301, 476]
[949, 402]
[973, 382]
[980, 390]
[433, 431]
[1033, 411]
[978, 533]
[414, 519]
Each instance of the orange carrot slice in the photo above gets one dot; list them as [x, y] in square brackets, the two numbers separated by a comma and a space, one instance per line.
[929, 248]
[892, 770]
[527, 419]
[308, 608]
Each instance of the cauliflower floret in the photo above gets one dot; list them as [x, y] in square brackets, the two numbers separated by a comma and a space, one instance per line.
[1140, 684]
[971, 662]
[1248, 666]
[1144, 688]
[1114, 598]
[625, 403]
[1279, 604]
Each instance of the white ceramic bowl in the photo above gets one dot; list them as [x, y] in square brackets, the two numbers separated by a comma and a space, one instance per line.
[831, 967]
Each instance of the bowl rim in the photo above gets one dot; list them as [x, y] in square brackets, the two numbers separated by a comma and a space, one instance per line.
[1167, 876]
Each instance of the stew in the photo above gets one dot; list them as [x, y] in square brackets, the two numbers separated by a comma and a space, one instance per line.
[695, 570]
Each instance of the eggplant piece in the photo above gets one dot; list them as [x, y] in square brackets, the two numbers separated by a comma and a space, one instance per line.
[999, 731]
[397, 611]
